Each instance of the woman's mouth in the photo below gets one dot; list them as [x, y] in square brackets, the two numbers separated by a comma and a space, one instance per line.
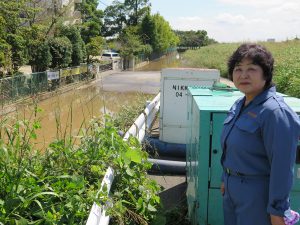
[244, 83]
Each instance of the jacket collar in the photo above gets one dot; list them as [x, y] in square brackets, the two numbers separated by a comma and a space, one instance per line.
[266, 94]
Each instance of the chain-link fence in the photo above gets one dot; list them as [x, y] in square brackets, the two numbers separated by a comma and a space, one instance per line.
[20, 86]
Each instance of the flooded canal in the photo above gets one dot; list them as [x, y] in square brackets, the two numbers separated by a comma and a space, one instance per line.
[64, 114]
[170, 61]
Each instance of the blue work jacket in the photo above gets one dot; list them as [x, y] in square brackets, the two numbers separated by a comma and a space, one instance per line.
[261, 139]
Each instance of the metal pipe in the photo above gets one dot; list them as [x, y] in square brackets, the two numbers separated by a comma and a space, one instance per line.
[138, 128]
[154, 145]
[98, 215]
[168, 166]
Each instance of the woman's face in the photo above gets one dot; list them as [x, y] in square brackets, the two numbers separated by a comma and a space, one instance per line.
[248, 78]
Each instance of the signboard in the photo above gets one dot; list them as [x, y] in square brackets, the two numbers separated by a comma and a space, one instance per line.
[53, 75]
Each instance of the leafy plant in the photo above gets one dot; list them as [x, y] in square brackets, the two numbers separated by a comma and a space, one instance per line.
[128, 113]
[61, 51]
[59, 185]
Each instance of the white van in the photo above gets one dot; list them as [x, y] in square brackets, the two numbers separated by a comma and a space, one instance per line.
[110, 55]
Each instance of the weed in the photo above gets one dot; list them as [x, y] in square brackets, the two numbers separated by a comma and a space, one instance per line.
[60, 185]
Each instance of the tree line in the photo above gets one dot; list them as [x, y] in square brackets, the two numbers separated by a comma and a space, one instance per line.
[127, 27]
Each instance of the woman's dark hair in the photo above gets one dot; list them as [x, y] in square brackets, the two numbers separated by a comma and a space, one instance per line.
[258, 54]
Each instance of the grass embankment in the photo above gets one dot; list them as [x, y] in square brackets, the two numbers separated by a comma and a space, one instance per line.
[286, 55]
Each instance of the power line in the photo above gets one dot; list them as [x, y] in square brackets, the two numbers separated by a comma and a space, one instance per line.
[103, 3]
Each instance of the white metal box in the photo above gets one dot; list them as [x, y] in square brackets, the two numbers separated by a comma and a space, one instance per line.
[173, 99]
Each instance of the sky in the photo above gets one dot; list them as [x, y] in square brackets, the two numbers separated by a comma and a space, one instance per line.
[231, 20]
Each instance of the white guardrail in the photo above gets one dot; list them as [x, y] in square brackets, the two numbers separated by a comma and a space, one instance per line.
[138, 129]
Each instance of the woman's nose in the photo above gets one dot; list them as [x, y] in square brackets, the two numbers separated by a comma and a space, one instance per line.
[244, 74]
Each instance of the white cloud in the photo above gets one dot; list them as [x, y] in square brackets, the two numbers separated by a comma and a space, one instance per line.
[227, 18]
[232, 19]
[271, 7]
[256, 3]
[246, 20]
[228, 27]
[288, 8]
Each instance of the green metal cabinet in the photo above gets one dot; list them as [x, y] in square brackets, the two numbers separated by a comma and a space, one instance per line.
[294, 103]
[207, 109]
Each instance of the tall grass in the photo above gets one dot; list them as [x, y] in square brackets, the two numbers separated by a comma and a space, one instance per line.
[286, 55]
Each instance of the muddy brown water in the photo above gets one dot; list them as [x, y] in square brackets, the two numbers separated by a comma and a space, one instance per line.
[63, 115]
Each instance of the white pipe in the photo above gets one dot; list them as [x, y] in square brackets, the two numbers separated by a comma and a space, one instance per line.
[98, 213]
[152, 115]
[140, 125]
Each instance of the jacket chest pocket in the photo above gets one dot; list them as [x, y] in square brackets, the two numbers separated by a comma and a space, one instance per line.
[247, 125]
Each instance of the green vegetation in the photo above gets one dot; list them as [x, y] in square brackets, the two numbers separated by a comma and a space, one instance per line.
[194, 38]
[129, 113]
[157, 32]
[61, 51]
[36, 33]
[286, 55]
[26, 35]
[59, 185]
[131, 44]
[128, 13]
[91, 20]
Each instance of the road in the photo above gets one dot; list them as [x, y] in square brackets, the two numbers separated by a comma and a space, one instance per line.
[139, 81]
[128, 81]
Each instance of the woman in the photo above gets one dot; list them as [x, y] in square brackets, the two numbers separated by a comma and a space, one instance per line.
[259, 142]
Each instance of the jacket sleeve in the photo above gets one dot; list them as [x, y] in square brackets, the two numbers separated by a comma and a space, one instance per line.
[280, 135]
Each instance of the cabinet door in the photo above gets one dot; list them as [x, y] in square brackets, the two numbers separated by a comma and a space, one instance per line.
[296, 184]
[216, 150]
[295, 200]
[215, 208]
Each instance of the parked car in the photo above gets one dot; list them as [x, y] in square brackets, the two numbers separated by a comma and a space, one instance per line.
[110, 56]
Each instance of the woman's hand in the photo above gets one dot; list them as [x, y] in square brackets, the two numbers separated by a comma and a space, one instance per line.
[277, 220]
[222, 188]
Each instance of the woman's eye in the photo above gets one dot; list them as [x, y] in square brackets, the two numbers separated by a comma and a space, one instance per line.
[237, 69]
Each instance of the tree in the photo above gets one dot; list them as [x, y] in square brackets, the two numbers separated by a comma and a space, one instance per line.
[38, 49]
[61, 51]
[91, 20]
[131, 44]
[18, 49]
[114, 19]
[158, 33]
[12, 34]
[40, 56]
[95, 46]
[5, 57]
[136, 11]
[78, 46]
[194, 38]
[119, 15]
[5, 49]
